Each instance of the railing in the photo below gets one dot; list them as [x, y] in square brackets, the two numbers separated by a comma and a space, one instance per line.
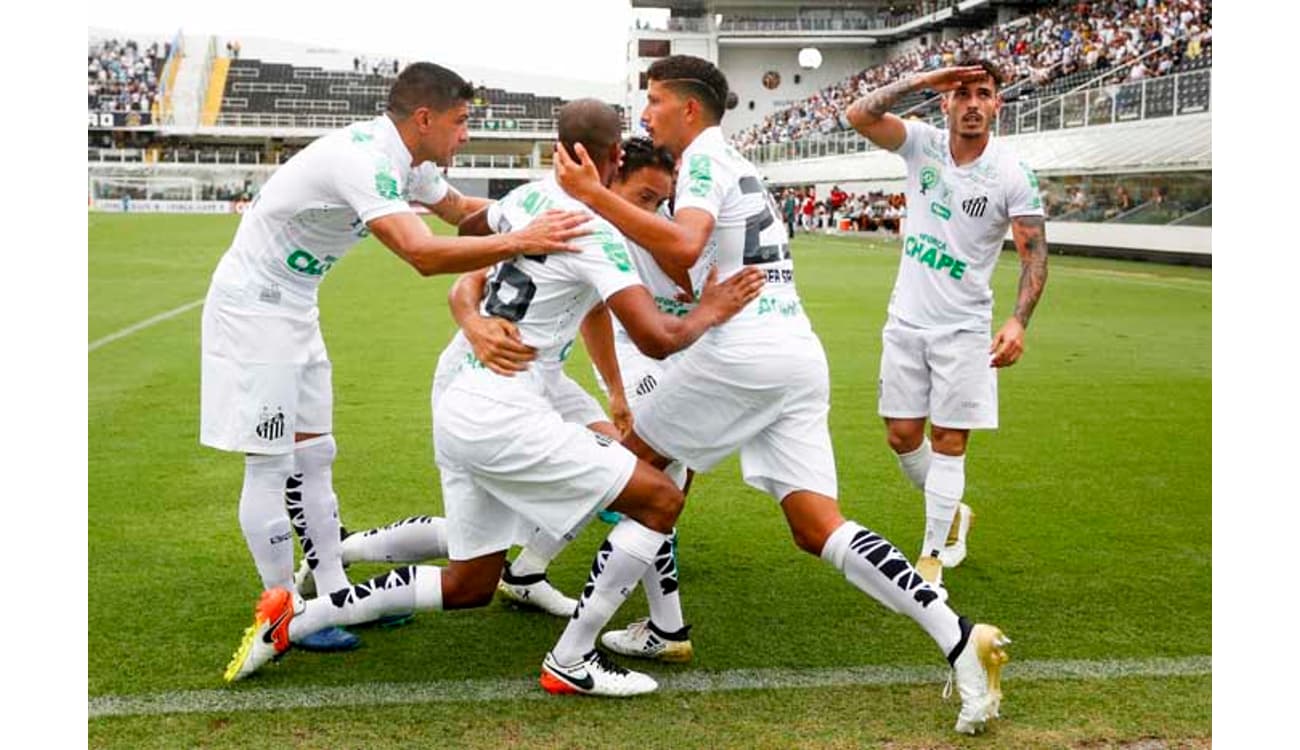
[1149, 98]
[805, 24]
[333, 121]
[493, 161]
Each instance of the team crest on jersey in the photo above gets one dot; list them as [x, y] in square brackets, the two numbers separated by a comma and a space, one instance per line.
[929, 178]
[271, 426]
[974, 207]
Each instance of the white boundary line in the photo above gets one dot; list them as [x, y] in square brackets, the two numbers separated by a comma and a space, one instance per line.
[239, 699]
[160, 317]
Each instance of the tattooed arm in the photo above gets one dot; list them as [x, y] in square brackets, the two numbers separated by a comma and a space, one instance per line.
[870, 115]
[1030, 236]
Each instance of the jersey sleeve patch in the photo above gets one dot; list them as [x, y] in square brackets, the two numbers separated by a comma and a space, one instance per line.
[700, 175]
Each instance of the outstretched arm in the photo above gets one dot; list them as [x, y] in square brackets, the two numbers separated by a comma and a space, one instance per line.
[455, 206]
[1030, 236]
[410, 238]
[658, 334]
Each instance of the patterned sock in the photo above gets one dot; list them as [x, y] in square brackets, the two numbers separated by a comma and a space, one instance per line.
[399, 591]
[878, 569]
[621, 561]
[314, 510]
[263, 521]
[413, 539]
[661, 588]
[944, 486]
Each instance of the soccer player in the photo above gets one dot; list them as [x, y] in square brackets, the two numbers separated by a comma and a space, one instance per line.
[759, 383]
[645, 177]
[504, 451]
[938, 361]
[266, 388]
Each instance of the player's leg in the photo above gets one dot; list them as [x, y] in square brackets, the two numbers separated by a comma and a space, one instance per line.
[964, 397]
[874, 566]
[412, 539]
[650, 504]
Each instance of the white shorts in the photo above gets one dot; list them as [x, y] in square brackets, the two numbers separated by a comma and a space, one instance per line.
[511, 459]
[940, 374]
[641, 374]
[263, 378]
[729, 392]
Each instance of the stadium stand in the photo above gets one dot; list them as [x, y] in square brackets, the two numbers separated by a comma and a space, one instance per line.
[262, 87]
[122, 78]
[1046, 53]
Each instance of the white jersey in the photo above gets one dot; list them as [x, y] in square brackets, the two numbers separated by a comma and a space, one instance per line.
[957, 219]
[748, 231]
[663, 289]
[547, 296]
[316, 207]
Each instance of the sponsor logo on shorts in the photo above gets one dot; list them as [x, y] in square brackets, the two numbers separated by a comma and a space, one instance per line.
[974, 207]
[604, 440]
[271, 427]
[646, 384]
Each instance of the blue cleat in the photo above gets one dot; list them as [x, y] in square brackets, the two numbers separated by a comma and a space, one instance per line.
[329, 640]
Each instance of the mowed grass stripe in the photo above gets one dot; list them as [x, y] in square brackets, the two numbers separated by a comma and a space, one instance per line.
[478, 691]
[160, 317]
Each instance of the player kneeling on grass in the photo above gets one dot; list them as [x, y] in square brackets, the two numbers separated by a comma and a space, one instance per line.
[504, 452]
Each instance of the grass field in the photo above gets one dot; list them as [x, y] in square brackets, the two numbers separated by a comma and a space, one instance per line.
[1092, 548]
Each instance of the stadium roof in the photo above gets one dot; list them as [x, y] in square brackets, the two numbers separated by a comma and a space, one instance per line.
[793, 5]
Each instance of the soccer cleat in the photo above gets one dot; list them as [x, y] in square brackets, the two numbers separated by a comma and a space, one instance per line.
[978, 674]
[596, 674]
[954, 550]
[304, 581]
[328, 641]
[931, 570]
[535, 591]
[267, 638]
[645, 641]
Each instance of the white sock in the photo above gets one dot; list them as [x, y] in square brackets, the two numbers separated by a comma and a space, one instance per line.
[916, 465]
[541, 548]
[661, 588]
[399, 591]
[263, 521]
[314, 510]
[877, 568]
[944, 487]
[413, 539]
[620, 562]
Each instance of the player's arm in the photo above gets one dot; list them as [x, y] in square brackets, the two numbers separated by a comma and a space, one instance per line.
[675, 244]
[658, 334]
[870, 116]
[496, 341]
[456, 206]
[1030, 236]
[598, 337]
[411, 239]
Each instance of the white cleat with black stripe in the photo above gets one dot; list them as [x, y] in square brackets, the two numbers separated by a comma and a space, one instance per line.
[536, 592]
[643, 640]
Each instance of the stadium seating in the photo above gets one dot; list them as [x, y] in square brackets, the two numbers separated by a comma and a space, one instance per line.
[1051, 52]
[257, 86]
[121, 77]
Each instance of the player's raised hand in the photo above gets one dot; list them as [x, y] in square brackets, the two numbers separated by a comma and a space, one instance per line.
[578, 177]
[1008, 344]
[497, 345]
[947, 79]
[551, 231]
[731, 296]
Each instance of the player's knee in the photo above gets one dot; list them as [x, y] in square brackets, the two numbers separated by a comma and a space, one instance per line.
[904, 439]
[666, 503]
[809, 539]
[948, 442]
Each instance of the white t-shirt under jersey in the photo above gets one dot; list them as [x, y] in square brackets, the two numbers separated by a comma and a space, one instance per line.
[315, 207]
[957, 219]
[714, 177]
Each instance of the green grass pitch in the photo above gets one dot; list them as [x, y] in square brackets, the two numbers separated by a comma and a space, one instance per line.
[1092, 541]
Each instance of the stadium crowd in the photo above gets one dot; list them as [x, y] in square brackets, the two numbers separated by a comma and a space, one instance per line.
[122, 78]
[840, 210]
[1055, 42]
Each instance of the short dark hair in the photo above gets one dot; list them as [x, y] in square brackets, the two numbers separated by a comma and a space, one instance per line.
[591, 122]
[697, 78]
[640, 153]
[425, 84]
[995, 72]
